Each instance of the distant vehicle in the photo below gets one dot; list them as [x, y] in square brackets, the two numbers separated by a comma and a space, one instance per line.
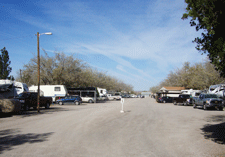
[54, 91]
[102, 98]
[183, 99]
[29, 99]
[165, 99]
[70, 99]
[87, 94]
[209, 101]
[115, 97]
[125, 96]
[88, 99]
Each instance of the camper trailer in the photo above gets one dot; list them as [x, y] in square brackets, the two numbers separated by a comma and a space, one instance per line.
[11, 89]
[217, 89]
[54, 91]
[193, 93]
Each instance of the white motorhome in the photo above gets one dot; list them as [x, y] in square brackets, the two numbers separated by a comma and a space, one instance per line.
[217, 89]
[11, 88]
[193, 93]
[54, 91]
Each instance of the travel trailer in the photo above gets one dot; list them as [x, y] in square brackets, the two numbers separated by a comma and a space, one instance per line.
[193, 93]
[217, 89]
[54, 91]
[10, 89]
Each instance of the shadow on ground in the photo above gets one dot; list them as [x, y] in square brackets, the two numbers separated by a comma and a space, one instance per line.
[12, 137]
[32, 112]
[215, 132]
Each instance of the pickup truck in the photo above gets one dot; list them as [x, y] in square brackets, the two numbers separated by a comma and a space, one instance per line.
[115, 97]
[29, 99]
[208, 101]
[184, 99]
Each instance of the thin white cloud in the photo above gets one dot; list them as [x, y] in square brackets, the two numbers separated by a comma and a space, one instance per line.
[153, 33]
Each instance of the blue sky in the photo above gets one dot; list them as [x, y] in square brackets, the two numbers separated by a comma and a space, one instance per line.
[136, 41]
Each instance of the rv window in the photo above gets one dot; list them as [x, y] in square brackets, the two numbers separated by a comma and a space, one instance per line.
[57, 89]
[101, 91]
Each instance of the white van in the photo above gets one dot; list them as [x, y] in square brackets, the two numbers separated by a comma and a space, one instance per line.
[54, 91]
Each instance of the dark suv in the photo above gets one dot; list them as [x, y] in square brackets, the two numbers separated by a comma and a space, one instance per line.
[165, 99]
[70, 99]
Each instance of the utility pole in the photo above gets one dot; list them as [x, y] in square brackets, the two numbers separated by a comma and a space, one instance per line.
[38, 61]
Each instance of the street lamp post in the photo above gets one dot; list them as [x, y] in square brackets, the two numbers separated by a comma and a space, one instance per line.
[38, 62]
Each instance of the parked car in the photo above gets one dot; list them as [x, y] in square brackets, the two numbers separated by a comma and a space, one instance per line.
[115, 97]
[70, 99]
[29, 99]
[88, 99]
[165, 99]
[208, 101]
[183, 99]
[102, 98]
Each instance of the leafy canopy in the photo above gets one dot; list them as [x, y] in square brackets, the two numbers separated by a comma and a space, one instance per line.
[209, 15]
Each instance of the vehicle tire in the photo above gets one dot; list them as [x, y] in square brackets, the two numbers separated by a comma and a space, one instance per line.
[204, 107]
[194, 106]
[90, 101]
[77, 103]
[26, 108]
[220, 108]
[174, 102]
[47, 105]
[164, 101]
[60, 103]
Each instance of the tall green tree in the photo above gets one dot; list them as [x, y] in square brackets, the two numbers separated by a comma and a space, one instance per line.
[5, 68]
[208, 16]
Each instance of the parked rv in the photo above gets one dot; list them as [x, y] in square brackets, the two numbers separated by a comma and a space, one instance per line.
[88, 94]
[193, 93]
[54, 91]
[217, 89]
[11, 89]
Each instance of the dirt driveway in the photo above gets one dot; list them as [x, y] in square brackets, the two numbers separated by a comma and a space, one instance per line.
[146, 128]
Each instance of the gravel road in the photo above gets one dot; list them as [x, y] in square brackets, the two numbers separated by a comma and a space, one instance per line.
[146, 128]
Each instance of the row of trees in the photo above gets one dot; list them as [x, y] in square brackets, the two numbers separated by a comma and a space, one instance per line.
[65, 70]
[198, 76]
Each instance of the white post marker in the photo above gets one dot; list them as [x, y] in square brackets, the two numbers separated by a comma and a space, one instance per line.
[122, 101]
